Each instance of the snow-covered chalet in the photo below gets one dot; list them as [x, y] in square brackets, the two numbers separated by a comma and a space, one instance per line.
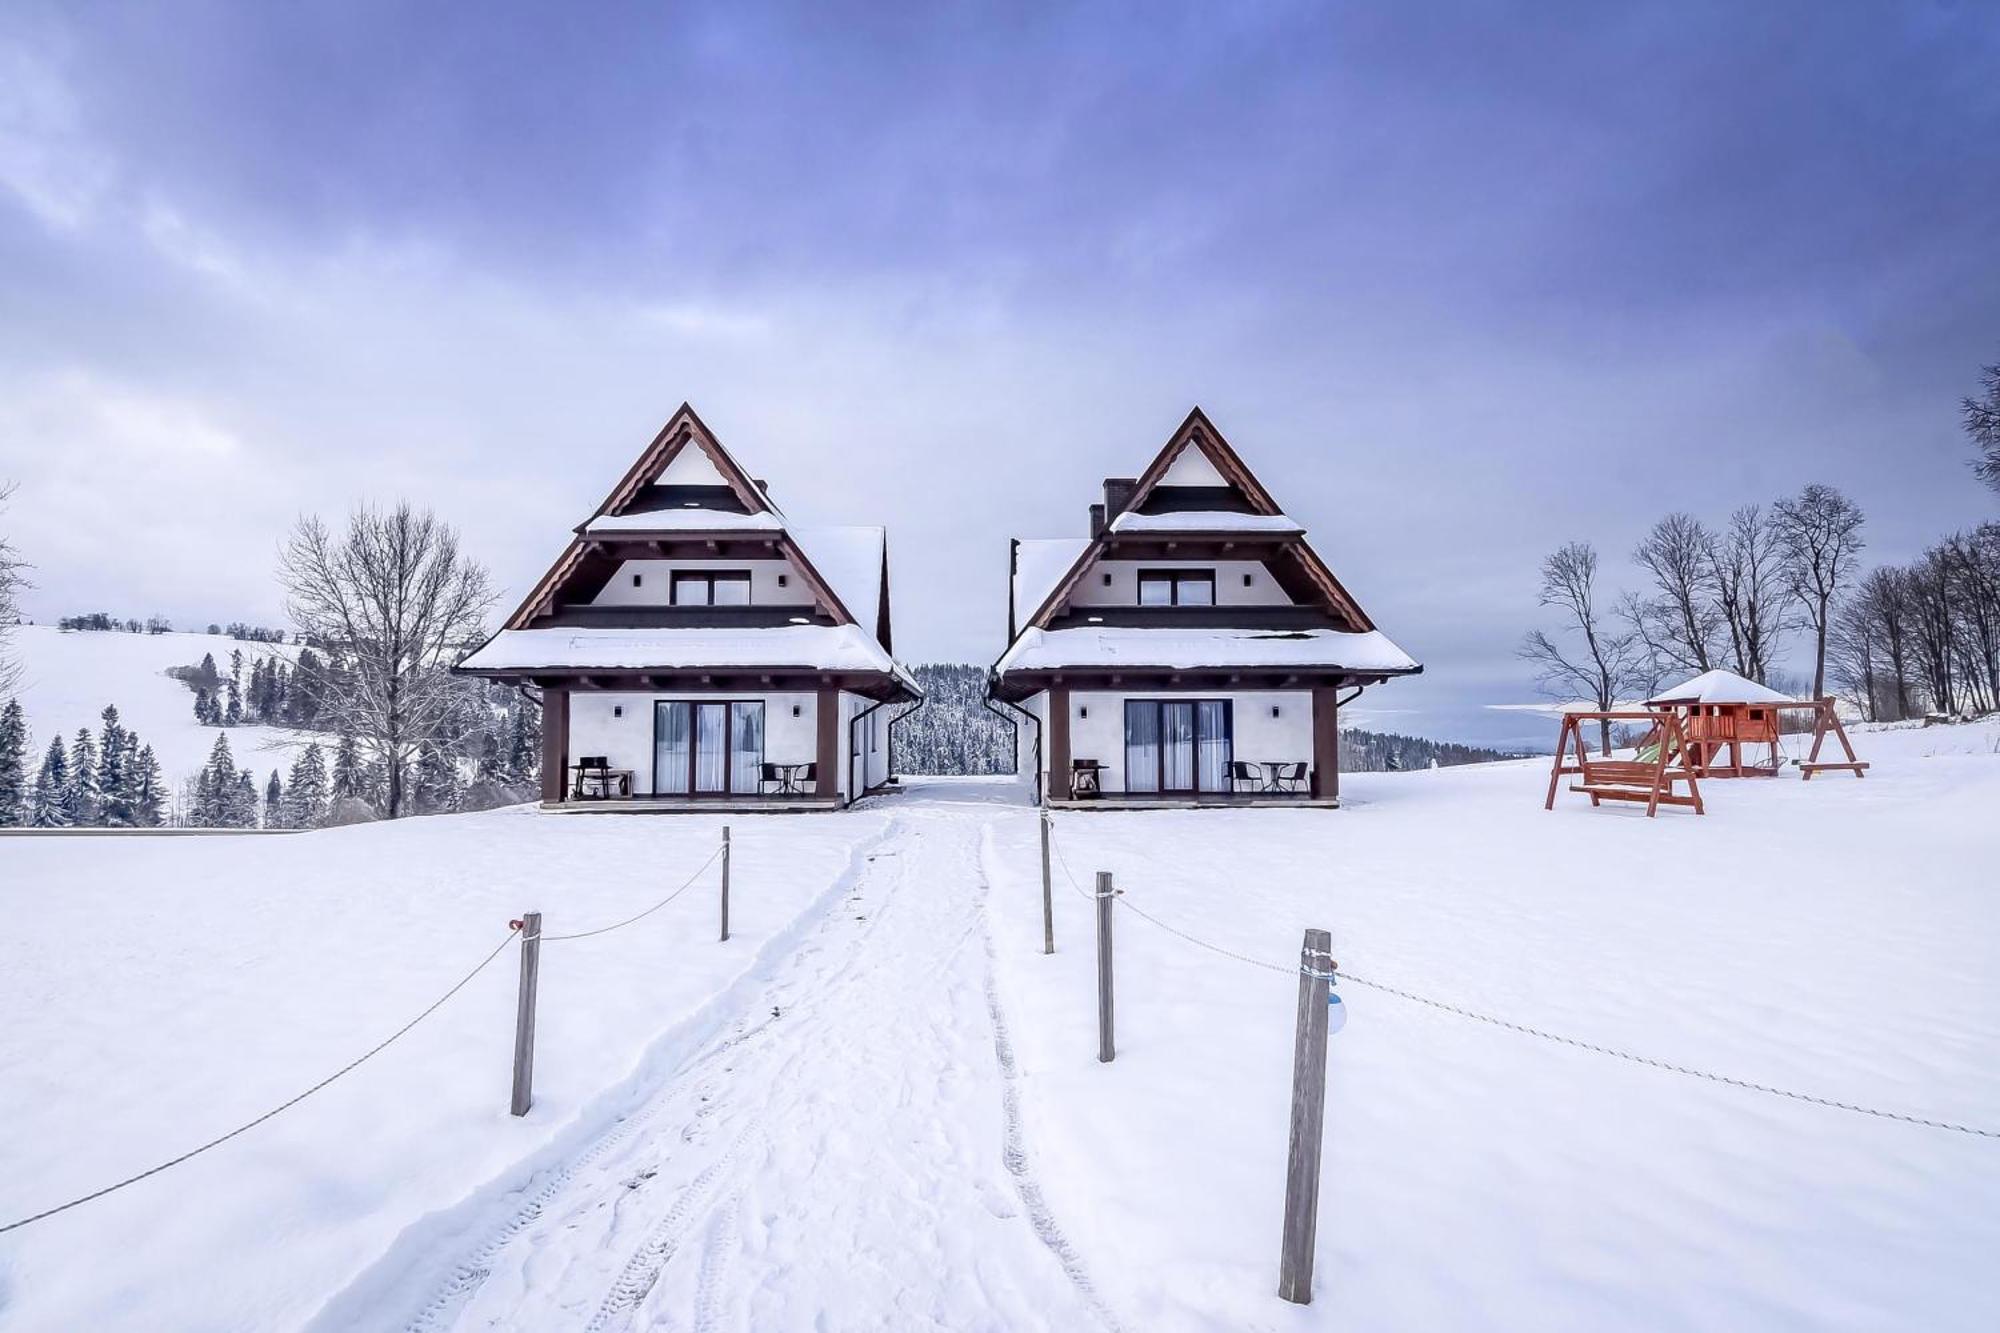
[695, 651]
[1194, 648]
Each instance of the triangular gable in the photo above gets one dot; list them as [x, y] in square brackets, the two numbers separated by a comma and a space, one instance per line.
[684, 428]
[1199, 433]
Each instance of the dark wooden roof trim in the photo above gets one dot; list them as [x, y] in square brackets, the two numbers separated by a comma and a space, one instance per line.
[1199, 432]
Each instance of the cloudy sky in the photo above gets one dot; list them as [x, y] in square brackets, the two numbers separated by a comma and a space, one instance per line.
[1461, 281]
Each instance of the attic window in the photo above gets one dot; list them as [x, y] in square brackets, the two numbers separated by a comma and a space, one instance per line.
[1177, 587]
[721, 587]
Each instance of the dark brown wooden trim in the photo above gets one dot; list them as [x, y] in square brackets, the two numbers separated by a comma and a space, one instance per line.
[555, 743]
[681, 428]
[826, 778]
[1058, 743]
[1326, 742]
[1199, 617]
[1015, 686]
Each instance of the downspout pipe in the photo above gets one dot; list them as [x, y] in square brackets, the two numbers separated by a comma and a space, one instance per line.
[854, 792]
[994, 706]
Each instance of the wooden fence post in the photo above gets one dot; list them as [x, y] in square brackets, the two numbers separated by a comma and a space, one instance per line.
[725, 883]
[1105, 1051]
[1048, 899]
[1295, 1260]
[524, 1014]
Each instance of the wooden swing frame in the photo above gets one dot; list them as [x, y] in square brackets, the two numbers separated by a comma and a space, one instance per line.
[1607, 779]
[1826, 722]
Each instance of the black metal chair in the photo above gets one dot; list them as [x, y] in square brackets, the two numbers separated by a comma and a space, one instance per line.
[1242, 771]
[804, 777]
[768, 776]
[1086, 779]
[1289, 778]
[592, 768]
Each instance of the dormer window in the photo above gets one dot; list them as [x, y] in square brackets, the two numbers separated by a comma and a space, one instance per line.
[1177, 587]
[711, 587]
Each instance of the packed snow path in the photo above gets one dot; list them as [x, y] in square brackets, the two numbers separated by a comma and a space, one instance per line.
[844, 1155]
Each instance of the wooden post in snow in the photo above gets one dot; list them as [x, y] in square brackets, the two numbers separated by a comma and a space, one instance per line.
[1106, 1052]
[725, 883]
[524, 1014]
[1048, 899]
[1295, 1259]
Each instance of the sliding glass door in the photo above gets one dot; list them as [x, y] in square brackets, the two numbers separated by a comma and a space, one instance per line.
[708, 749]
[1177, 745]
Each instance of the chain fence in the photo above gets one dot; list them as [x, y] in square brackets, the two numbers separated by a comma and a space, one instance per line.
[1523, 1029]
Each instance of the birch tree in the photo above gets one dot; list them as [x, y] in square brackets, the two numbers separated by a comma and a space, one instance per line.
[1750, 590]
[1605, 662]
[1982, 423]
[399, 602]
[1820, 535]
[13, 578]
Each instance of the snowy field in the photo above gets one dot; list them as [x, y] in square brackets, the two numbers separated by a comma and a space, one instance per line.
[1835, 937]
[67, 677]
[880, 1105]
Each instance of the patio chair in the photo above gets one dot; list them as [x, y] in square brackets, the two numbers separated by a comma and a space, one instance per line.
[1242, 771]
[1288, 777]
[1086, 779]
[592, 768]
[769, 776]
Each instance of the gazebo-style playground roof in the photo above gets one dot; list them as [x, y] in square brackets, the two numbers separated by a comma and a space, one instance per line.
[1722, 714]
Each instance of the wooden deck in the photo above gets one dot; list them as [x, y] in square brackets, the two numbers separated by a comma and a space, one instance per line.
[1200, 801]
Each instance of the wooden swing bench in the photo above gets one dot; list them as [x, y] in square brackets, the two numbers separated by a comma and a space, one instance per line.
[1652, 781]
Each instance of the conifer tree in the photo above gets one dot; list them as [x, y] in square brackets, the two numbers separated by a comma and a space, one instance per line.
[86, 800]
[201, 702]
[242, 800]
[13, 765]
[113, 757]
[232, 716]
[348, 779]
[305, 798]
[524, 744]
[274, 802]
[52, 790]
[211, 808]
[149, 789]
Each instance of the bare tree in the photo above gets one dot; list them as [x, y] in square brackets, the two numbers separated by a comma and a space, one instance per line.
[399, 602]
[13, 578]
[1608, 664]
[1680, 623]
[1974, 559]
[1750, 590]
[1820, 535]
[1982, 423]
[1928, 589]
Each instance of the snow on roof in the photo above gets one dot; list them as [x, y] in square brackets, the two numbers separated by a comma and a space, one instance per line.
[1206, 520]
[850, 559]
[1038, 566]
[1136, 646]
[684, 520]
[815, 647]
[1721, 687]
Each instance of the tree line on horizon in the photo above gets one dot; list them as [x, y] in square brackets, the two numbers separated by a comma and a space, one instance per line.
[1895, 642]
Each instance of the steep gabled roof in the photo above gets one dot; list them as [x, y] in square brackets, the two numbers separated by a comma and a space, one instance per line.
[683, 429]
[1264, 519]
[758, 516]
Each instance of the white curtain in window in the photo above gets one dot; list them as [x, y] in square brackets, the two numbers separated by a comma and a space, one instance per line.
[1212, 725]
[1142, 745]
[1177, 746]
[670, 748]
[710, 758]
[746, 745]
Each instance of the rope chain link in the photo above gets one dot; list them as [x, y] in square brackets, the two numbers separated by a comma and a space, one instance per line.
[1523, 1029]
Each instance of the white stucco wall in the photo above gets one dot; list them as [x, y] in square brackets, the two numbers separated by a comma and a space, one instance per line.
[595, 727]
[1258, 737]
[1230, 590]
[655, 587]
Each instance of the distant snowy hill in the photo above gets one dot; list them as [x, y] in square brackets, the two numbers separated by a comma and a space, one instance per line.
[68, 676]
